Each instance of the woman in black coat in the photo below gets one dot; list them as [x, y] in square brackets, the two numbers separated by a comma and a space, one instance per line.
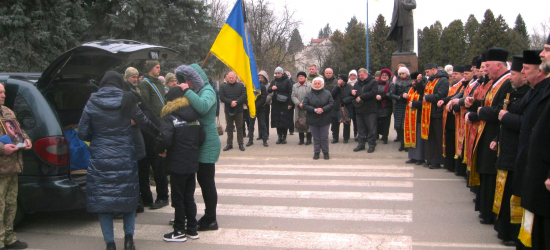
[282, 114]
[318, 104]
[385, 105]
[401, 86]
[112, 181]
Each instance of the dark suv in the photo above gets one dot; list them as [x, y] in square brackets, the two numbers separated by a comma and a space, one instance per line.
[46, 107]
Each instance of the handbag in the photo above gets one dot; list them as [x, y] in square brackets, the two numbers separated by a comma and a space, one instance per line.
[219, 126]
[282, 98]
[301, 124]
[343, 115]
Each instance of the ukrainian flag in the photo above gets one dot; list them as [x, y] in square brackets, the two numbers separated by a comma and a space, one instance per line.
[234, 48]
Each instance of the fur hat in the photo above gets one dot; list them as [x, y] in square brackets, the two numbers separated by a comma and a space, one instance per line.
[130, 71]
[150, 64]
[404, 70]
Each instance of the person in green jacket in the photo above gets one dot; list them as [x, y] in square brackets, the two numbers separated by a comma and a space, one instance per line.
[203, 99]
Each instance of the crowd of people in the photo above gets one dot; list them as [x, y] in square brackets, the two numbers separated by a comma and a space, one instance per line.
[487, 121]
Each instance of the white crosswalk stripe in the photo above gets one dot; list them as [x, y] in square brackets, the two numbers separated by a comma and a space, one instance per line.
[303, 182]
[391, 174]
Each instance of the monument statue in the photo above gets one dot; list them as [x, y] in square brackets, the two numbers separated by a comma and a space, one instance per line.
[402, 25]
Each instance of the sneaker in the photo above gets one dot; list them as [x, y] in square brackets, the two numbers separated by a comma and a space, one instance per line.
[17, 245]
[192, 233]
[159, 204]
[176, 236]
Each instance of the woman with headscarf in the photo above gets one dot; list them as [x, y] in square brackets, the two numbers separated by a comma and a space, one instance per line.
[112, 184]
[385, 105]
[281, 107]
[318, 104]
[401, 86]
[299, 92]
[202, 97]
[352, 79]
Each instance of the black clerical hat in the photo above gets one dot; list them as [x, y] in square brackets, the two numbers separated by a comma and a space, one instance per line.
[477, 62]
[532, 57]
[467, 68]
[459, 69]
[483, 57]
[548, 41]
[497, 54]
[517, 63]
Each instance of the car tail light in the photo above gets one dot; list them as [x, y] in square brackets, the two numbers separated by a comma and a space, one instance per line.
[53, 150]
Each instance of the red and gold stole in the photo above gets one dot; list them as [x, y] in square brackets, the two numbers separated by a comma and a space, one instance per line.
[452, 92]
[410, 120]
[462, 129]
[470, 155]
[427, 109]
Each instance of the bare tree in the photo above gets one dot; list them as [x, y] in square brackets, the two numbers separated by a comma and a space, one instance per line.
[218, 10]
[539, 36]
[270, 33]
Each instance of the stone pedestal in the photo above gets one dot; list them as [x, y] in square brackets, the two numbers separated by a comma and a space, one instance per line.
[408, 58]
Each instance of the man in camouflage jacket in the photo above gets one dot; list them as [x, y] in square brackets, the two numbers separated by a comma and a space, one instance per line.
[11, 163]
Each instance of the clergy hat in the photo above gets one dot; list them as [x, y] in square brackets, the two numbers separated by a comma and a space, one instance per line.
[483, 57]
[517, 63]
[548, 40]
[531, 57]
[414, 75]
[468, 68]
[477, 62]
[430, 66]
[497, 54]
[459, 69]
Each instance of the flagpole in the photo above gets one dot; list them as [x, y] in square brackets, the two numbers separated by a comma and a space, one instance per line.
[367, 27]
[206, 59]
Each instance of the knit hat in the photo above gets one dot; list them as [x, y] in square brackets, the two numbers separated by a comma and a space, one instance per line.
[301, 73]
[174, 93]
[377, 73]
[150, 64]
[353, 72]
[404, 70]
[264, 74]
[130, 71]
[318, 79]
[169, 78]
[387, 71]
[279, 70]
[343, 77]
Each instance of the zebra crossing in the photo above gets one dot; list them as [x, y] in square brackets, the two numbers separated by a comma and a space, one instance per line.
[309, 205]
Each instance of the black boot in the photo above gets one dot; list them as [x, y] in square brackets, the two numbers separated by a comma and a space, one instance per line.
[129, 242]
[301, 136]
[111, 246]
[250, 143]
[308, 141]
[265, 143]
[334, 139]
[280, 140]
[316, 156]
[284, 139]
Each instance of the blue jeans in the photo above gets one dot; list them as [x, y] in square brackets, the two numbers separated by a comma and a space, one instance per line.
[106, 222]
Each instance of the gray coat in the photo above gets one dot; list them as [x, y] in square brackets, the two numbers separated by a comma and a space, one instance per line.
[299, 92]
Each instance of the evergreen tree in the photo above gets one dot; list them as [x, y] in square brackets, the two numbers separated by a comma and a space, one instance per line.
[351, 22]
[325, 32]
[471, 29]
[355, 47]
[336, 58]
[34, 33]
[380, 50]
[521, 30]
[431, 47]
[295, 44]
[453, 44]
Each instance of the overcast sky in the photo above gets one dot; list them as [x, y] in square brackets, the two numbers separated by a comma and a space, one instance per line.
[315, 14]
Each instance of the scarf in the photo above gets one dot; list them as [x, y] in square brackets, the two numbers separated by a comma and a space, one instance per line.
[410, 120]
[352, 83]
[302, 83]
[427, 109]
[385, 91]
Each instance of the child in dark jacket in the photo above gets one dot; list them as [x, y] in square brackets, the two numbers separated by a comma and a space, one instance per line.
[180, 140]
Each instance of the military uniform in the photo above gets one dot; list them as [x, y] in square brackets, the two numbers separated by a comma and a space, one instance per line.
[10, 166]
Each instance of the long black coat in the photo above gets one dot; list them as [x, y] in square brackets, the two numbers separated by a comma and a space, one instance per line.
[318, 99]
[509, 133]
[385, 106]
[441, 90]
[112, 180]
[339, 95]
[486, 157]
[535, 197]
[281, 115]
[396, 93]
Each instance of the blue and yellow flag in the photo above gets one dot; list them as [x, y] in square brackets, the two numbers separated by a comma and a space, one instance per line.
[233, 47]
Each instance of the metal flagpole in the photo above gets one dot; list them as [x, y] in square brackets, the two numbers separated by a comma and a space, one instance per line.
[367, 27]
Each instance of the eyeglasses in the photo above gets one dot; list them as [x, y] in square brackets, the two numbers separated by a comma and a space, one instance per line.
[385, 75]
